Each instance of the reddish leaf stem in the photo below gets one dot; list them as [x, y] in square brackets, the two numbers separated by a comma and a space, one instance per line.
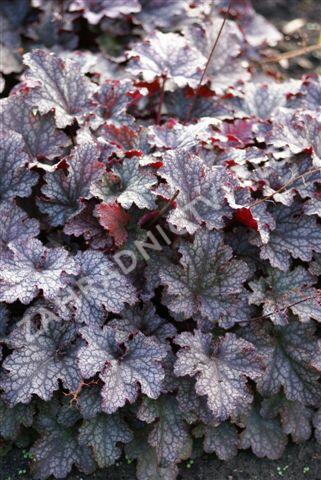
[161, 100]
[164, 210]
[284, 187]
[284, 309]
[209, 61]
[292, 54]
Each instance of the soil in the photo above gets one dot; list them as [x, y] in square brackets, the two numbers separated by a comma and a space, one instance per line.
[299, 462]
[280, 13]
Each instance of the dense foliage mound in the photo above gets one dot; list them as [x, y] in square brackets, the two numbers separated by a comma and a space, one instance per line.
[160, 236]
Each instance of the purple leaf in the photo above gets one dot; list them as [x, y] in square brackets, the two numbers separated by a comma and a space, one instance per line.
[86, 224]
[16, 179]
[32, 268]
[99, 287]
[41, 138]
[15, 225]
[315, 266]
[297, 175]
[309, 97]
[161, 13]
[174, 135]
[179, 104]
[317, 426]
[122, 370]
[201, 191]
[265, 437]
[146, 320]
[114, 97]
[12, 419]
[170, 436]
[298, 132]
[127, 183]
[281, 292]
[4, 319]
[194, 407]
[262, 100]
[295, 417]
[226, 68]
[209, 282]
[64, 190]
[257, 217]
[123, 139]
[15, 11]
[166, 55]
[288, 354]
[222, 439]
[295, 235]
[9, 36]
[296, 421]
[57, 85]
[103, 433]
[89, 402]
[220, 367]
[313, 206]
[148, 466]
[58, 448]
[39, 361]
[258, 31]
[95, 10]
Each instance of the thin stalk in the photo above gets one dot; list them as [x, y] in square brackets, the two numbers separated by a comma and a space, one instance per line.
[283, 310]
[209, 61]
[280, 190]
[164, 210]
[73, 139]
[161, 100]
[293, 54]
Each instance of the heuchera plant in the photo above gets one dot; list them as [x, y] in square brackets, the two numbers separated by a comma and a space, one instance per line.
[160, 236]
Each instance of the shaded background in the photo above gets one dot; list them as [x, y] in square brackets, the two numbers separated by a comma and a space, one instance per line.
[281, 13]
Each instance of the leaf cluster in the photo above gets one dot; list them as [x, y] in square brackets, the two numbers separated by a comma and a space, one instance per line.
[160, 240]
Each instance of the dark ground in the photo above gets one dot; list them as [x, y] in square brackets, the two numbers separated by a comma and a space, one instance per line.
[300, 462]
[280, 13]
